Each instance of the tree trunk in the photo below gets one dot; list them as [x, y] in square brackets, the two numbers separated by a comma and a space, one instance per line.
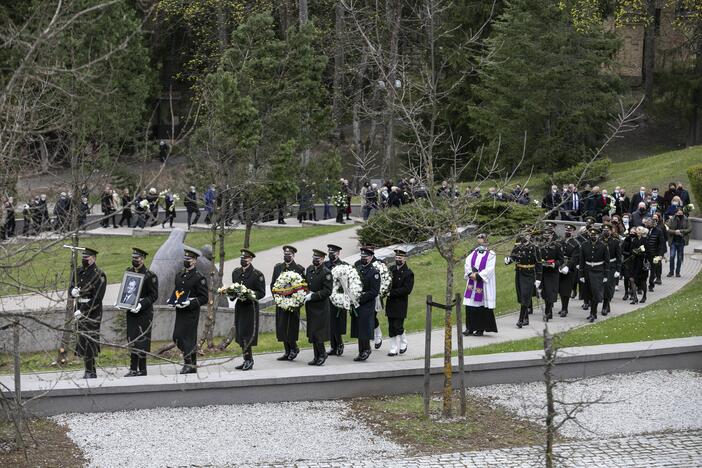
[222, 33]
[247, 233]
[337, 104]
[549, 357]
[303, 12]
[393, 14]
[44, 156]
[694, 136]
[62, 356]
[649, 55]
[208, 329]
[448, 327]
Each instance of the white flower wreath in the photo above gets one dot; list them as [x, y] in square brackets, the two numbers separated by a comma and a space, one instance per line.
[384, 278]
[347, 287]
[237, 291]
[289, 290]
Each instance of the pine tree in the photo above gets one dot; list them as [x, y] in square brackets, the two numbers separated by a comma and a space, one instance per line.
[547, 79]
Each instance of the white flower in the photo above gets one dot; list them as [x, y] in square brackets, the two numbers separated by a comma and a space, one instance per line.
[289, 290]
[347, 287]
[237, 291]
[144, 203]
[385, 278]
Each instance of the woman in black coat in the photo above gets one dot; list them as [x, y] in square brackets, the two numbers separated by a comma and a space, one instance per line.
[396, 304]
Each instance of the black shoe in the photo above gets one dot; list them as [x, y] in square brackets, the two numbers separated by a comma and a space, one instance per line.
[293, 354]
[392, 354]
[677, 275]
[478, 333]
[362, 356]
[378, 345]
[466, 333]
[313, 362]
[519, 324]
[590, 318]
[403, 351]
[634, 301]
[525, 321]
[284, 357]
[321, 360]
[530, 310]
[650, 288]
[188, 369]
[90, 375]
[331, 352]
[561, 313]
[340, 349]
[141, 373]
[132, 373]
[585, 306]
[626, 297]
[669, 275]
[248, 365]
[658, 281]
[643, 300]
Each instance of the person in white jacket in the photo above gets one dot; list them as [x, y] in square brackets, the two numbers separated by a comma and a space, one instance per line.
[479, 296]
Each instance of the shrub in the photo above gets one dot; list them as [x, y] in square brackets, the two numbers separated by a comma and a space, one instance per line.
[694, 173]
[414, 222]
[581, 174]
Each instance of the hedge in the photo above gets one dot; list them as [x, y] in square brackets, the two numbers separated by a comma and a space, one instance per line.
[413, 223]
[694, 173]
[580, 174]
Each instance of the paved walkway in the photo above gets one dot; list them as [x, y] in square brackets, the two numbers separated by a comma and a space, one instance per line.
[267, 366]
[682, 449]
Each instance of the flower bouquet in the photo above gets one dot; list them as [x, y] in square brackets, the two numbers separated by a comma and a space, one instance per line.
[289, 291]
[346, 288]
[237, 291]
[144, 204]
[689, 208]
[339, 200]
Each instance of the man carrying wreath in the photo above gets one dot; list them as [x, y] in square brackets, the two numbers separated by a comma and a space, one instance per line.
[319, 281]
[337, 315]
[287, 321]
[246, 310]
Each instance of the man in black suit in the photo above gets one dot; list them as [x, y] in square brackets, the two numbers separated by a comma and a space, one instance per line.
[551, 202]
[397, 301]
[572, 205]
[637, 198]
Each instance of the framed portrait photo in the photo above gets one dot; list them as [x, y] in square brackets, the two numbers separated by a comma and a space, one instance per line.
[129, 290]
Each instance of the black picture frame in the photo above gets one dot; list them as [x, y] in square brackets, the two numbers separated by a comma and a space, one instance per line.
[130, 290]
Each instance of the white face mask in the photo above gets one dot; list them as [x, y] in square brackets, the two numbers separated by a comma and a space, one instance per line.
[655, 194]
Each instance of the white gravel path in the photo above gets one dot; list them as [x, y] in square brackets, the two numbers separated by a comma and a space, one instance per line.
[632, 403]
[225, 435]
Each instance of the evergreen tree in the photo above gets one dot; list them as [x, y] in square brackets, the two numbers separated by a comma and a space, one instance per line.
[547, 79]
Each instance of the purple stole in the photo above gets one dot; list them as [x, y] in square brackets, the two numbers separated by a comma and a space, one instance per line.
[475, 288]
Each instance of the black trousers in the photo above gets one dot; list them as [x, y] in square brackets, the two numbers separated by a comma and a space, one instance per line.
[336, 341]
[396, 326]
[363, 345]
[197, 217]
[126, 216]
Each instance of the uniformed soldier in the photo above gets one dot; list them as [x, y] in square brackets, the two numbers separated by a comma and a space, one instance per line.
[246, 311]
[594, 270]
[377, 331]
[189, 294]
[319, 280]
[362, 317]
[401, 285]
[551, 262]
[140, 318]
[567, 280]
[527, 274]
[614, 248]
[583, 237]
[337, 316]
[287, 322]
[88, 291]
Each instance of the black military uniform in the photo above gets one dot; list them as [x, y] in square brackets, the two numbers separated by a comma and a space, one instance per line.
[363, 315]
[594, 270]
[189, 294]
[319, 280]
[140, 319]
[551, 262]
[401, 287]
[614, 248]
[377, 332]
[246, 311]
[287, 322]
[638, 267]
[528, 270]
[656, 246]
[88, 291]
[583, 237]
[570, 247]
[337, 316]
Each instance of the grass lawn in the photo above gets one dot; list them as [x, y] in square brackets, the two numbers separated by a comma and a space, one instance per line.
[676, 316]
[50, 270]
[401, 418]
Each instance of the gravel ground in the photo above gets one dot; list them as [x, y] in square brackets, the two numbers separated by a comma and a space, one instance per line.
[225, 435]
[631, 403]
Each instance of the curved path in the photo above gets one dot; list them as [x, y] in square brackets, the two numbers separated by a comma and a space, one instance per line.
[267, 367]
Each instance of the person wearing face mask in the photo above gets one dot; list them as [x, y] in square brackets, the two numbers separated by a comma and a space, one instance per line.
[670, 193]
[656, 247]
[675, 204]
[189, 294]
[552, 202]
[287, 322]
[615, 261]
[337, 316]
[638, 216]
[319, 280]
[637, 199]
[552, 260]
[377, 331]
[594, 271]
[401, 286]
[657, 200]
[679, 230]
[626, 223]
[683, 194]
[363, 316]
[87, 288]
[527, 274]
[480, 295]
[140, 318]
[567, 280]
[246, 310]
